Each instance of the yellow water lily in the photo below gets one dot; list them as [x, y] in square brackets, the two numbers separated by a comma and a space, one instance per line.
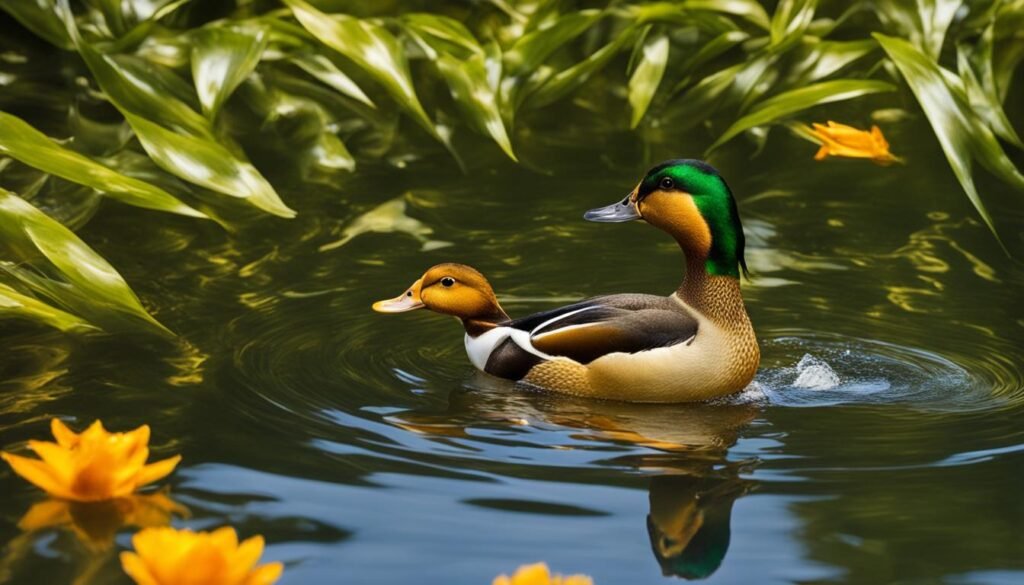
[91, 466]
[97, 523]
[165, 556]
[539, 574]
[842, 140]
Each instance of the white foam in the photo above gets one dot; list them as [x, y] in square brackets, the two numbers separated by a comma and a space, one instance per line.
[815, 374]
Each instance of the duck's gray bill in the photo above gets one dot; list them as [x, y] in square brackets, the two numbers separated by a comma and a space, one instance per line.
[624, 210]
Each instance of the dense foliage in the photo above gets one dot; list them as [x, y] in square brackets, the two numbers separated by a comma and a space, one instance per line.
[166, 94]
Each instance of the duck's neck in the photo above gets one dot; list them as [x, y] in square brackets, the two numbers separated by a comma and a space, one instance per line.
[478, 325]
[717, 297]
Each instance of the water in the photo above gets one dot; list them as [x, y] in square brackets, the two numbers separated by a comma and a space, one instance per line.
[366, 449]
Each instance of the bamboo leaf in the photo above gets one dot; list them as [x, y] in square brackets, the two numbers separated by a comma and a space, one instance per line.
[958, 130]
[328, 73]
[532, 49]
[207, 164]
[776, 108]
[222, 58]
[39, 17]
[22, 142]
[468, 82]
[981, 86]
[371, 47]
[790, 20]
[176, 137]
[47, 244]
[444, 34]
[566, 81]
[647, 76]
[14, 305]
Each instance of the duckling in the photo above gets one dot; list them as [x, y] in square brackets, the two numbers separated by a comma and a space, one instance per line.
[695, 344]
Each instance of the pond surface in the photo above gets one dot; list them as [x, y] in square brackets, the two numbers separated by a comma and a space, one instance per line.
[882, 442]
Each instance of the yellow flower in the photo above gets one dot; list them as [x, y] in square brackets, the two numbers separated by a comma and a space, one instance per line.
[842, 140]
[92, 466]
[97, 523]
[539, 574]
[165, 556]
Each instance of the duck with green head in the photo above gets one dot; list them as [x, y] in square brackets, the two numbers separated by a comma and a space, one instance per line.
[694, 344]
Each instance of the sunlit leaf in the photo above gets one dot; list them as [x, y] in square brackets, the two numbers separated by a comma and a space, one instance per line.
[688, 11]
[530, 50]
[371, 47]
[446, 33]
[14, 305]
[777, 108]
[46, 244]
[566, 81]
[981, 88]
[647, 76]
[222, 58]
[958, 129]
[39, 17]
[177, 138]
[207, 164]
[750, 10]
[790, 20]
[923, 22]
[711, 49]
[327, 72]
[471, 90]
[21, 141]
[821, 59]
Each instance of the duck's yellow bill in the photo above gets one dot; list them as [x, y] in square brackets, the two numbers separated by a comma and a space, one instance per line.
[407, 301]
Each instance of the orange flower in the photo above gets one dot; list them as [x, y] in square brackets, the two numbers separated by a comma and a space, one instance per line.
[92, 466]
[97, 523]
[539, 574]
[165, 556]
[842, 140]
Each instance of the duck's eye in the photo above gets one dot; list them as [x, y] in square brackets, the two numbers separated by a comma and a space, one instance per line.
[408, 293]
[447, 281]
[667, 184]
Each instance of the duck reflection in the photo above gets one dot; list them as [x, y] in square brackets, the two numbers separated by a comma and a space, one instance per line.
[684, 447]
[689, 522]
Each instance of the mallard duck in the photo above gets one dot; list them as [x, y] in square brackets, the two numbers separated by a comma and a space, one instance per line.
[692, 345]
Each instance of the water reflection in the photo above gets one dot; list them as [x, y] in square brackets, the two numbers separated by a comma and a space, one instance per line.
[684, 448]
[689, 523]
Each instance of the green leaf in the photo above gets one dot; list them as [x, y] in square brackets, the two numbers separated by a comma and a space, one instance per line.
[820, 59]
[21, 141]
[749, 10]
[981, 87]
[45, 244]
[790, 20]
[372, 48]
[177, 138]
[207, 164]
[531, 49]
[14, 305]
[39, 17]
[923, 22]
[566, 81]
[777, 108]
[957, 127]
[328, 73]
[443, 34]
[222, 58]
[468, 82]
[647, 76]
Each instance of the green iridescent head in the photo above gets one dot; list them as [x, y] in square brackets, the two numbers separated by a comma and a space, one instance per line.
[690, 200]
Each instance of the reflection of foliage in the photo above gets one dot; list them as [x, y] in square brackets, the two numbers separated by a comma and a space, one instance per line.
[322, 84]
